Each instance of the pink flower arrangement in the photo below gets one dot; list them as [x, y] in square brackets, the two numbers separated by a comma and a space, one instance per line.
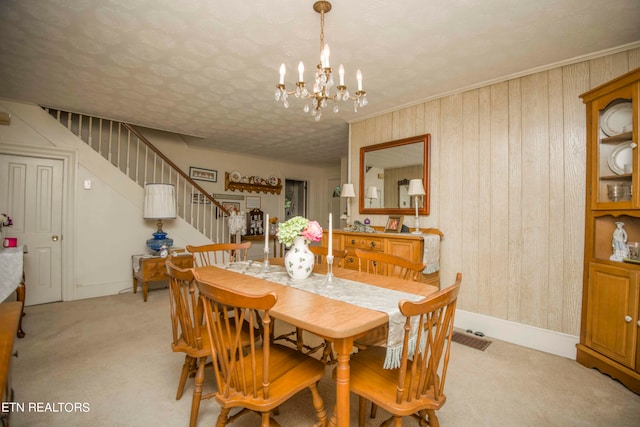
[313, 232]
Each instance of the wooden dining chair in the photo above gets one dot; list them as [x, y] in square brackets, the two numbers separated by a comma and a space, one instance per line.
[296, 336]
[321, 253]
[258, 378]
[189, 333]
[389, 265]
[416, 388]
[219, 253]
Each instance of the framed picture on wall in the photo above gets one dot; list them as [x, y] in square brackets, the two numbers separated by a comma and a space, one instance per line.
[201, 174]
[394, 224]
[231, 206]
[253, 202]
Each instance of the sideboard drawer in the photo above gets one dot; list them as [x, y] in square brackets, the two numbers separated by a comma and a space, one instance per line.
[352, 242]
[351, 261]
[376, 245]
[368, 243]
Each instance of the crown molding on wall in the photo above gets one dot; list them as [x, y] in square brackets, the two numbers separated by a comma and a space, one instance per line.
[508, 77]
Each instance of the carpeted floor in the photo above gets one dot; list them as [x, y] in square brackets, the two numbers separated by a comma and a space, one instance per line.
[107, 362]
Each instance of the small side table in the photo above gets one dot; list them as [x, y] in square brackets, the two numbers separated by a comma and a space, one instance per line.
[147, 268]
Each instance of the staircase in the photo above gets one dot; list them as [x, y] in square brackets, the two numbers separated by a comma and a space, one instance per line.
[130, 152]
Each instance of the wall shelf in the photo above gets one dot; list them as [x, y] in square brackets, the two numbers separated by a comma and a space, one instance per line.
[250, 188]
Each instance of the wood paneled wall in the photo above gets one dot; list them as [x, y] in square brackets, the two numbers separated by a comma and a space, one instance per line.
[508, 188]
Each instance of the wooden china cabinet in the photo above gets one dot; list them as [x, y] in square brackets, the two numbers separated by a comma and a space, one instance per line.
[610, 328]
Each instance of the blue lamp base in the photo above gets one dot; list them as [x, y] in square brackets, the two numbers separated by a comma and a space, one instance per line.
[159, 239]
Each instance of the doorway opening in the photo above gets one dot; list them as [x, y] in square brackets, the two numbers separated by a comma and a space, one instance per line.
[295, 198]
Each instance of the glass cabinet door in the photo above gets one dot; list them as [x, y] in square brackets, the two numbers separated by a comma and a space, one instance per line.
[615, 168]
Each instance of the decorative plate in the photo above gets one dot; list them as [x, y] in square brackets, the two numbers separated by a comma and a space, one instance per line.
[617, 119]
[235, 176]
[620, 156]
[273, 180]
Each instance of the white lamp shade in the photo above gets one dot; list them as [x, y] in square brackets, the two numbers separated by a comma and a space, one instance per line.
[416, 188]
[159, 201]
[372, 193]
[347, 191]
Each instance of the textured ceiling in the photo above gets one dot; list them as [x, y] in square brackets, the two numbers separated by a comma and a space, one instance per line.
[208, 68]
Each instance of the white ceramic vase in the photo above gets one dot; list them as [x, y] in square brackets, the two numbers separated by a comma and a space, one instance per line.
[299, 260]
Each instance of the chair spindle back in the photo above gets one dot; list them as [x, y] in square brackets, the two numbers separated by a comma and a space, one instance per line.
[240, 368]
[423, 372]
[186, 312]
[387, 264]
[219, 253]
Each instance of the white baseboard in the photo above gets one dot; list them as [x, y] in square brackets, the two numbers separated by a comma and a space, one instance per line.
[102, 290]
[516, 333]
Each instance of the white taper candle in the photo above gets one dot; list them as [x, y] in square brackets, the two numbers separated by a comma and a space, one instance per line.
[330, 251]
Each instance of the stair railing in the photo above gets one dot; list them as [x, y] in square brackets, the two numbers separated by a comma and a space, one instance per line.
[128, 150]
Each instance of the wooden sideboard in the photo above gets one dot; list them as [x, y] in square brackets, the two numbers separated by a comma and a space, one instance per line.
[10, 314]
[409, 246]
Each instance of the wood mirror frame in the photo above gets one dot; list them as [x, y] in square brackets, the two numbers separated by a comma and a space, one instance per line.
[391, 173]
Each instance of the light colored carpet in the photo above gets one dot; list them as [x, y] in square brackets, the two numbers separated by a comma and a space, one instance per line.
[113, 354]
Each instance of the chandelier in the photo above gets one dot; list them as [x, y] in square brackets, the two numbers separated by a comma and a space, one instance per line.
[318, 99]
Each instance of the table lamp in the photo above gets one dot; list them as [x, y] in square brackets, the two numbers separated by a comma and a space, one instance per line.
[372, 193]
[416, 189]
[159, 203]
[348, 193]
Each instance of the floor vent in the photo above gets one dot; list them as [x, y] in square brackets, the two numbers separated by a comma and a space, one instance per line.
[470, 340]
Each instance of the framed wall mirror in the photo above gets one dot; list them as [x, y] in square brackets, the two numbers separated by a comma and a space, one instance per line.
[385, 171]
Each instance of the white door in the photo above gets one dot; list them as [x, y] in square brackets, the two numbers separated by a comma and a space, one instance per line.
[31, 194]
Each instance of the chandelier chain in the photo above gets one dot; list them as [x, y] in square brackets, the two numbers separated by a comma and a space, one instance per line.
[321, 31]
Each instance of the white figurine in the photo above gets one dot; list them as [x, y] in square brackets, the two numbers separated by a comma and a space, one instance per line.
[619, 243]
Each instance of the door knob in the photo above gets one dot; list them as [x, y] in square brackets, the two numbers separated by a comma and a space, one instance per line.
[54, 238]
[628, 319]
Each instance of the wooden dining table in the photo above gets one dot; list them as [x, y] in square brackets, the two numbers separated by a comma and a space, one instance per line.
[334, 320]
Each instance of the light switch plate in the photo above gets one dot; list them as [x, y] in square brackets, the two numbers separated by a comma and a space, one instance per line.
[87, 184]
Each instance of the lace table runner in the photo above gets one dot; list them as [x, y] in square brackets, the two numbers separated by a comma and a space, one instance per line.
[431, 257]
[356, 293]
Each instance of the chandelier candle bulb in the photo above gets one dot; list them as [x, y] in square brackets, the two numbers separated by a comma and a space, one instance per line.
[359, 78]
[300, 72]
[283, 70]
[341, 72]
[326, 52]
